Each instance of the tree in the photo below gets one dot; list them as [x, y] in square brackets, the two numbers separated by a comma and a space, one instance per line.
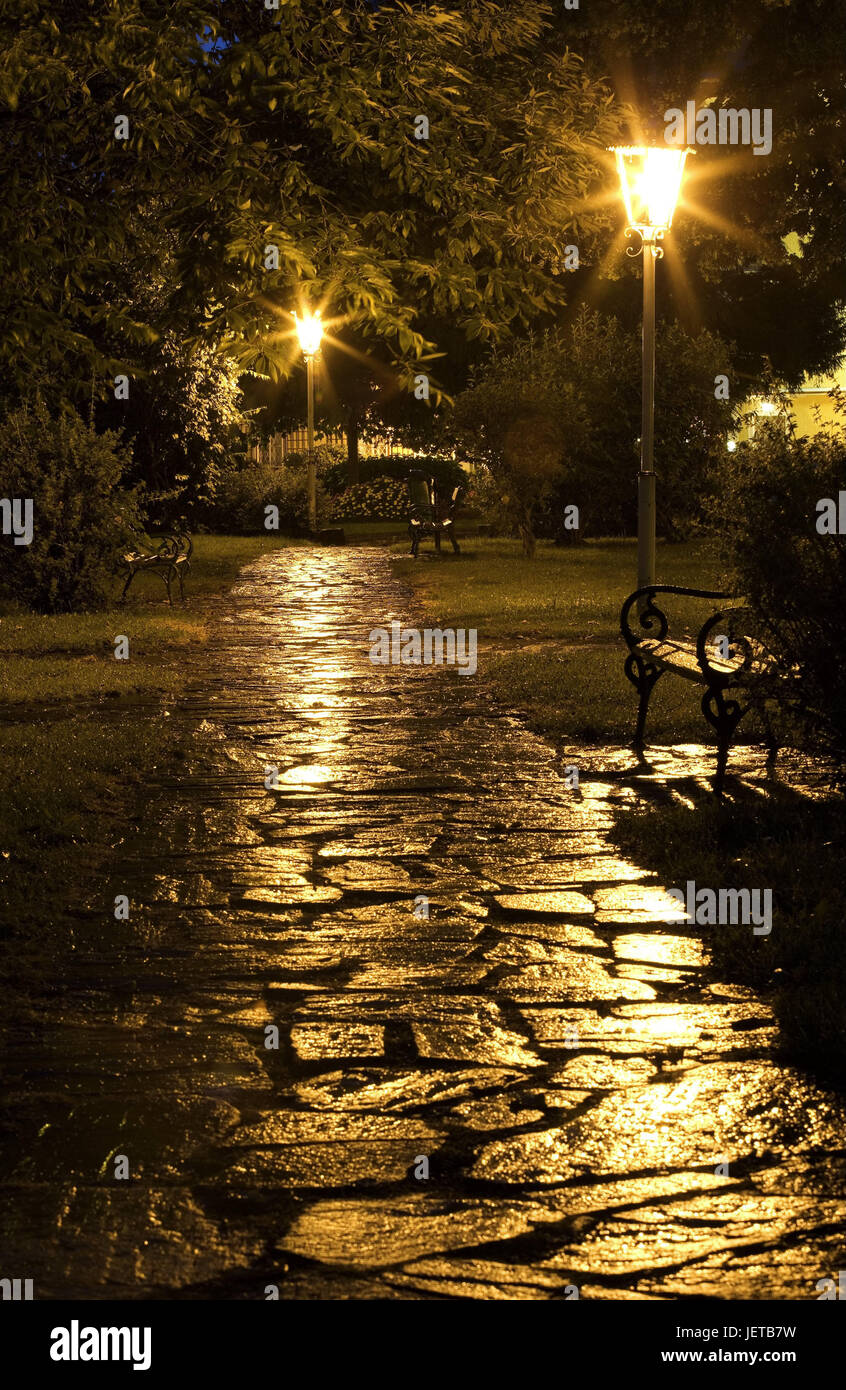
[183, 414]
[518, 420]
[583, 382]
[281, 149]
[693, 418]
[760, 250]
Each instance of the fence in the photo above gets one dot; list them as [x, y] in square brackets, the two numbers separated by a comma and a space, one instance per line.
[277, 447]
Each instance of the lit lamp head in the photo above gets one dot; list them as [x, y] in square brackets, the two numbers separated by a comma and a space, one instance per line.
[650, 181]
[309, 332]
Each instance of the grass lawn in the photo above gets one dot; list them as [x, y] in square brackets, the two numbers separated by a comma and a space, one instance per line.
[549, 631]
[69, 655]
[74, 769]
[356, 531]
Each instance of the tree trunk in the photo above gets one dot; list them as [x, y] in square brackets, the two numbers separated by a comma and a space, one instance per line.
[353, 474]
[527, 536]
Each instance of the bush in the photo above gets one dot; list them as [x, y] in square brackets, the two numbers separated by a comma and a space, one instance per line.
[518, 420]
[331, 464]
[243, 496]
[793, 577]
[446, 471]
[491, 498]
[84, 519]
[382, 499]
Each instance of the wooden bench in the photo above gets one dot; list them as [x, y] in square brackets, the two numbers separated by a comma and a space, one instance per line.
[171, 559]
[734, 678]
[428, 517]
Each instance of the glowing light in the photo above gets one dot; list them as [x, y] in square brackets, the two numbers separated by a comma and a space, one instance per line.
[311, 774]
[650, 182]
[732, 445]
[309, 332]
[768, 408]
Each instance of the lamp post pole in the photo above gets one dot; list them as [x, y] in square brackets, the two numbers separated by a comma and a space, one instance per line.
[312, 470]
[650, 182]
[646, 476]
[310, 332]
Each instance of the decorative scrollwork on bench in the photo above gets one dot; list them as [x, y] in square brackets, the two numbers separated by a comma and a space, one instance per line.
[170, 560]
[649, 613]
[739, 656]
[742, 665]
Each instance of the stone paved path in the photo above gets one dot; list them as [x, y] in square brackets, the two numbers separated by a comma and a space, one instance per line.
[551, 1045]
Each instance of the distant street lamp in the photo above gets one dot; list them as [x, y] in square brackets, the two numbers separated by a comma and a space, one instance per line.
[310, 334]
[650, 181]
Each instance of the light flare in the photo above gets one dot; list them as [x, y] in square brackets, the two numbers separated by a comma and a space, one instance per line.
[650, 181]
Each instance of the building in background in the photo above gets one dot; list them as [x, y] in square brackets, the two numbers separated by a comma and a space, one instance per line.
[812, 406]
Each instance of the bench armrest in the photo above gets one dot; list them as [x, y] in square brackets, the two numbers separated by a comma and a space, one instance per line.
[651, 618]
[175, 547]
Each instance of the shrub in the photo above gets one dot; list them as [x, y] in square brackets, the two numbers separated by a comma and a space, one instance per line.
[793, 577]
[446, 471]
[381, 499]
[84, 518]
[518, 421]
[490, 496]
[331, 464]
[243, 496]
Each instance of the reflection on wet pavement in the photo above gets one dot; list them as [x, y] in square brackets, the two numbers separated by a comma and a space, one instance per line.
[277, 1038]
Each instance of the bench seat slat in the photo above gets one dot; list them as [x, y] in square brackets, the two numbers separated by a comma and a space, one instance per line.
[680, 656]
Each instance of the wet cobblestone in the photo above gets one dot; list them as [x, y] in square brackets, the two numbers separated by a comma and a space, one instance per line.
[596, 1109]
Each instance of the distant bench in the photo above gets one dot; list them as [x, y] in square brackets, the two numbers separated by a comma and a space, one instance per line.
[170, 560]
[732, 678]
[427, 515]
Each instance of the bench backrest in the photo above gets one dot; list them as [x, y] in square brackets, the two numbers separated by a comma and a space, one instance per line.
[420, 496]
[447, 505]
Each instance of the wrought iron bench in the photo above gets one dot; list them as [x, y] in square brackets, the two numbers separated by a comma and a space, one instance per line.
[736, 679]
[427, 516]
[170, 560]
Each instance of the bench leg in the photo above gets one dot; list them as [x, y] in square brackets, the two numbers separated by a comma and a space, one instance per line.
[724, 716]
[643, 676]
[438, 540]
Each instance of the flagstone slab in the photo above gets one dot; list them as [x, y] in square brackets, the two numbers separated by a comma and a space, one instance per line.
[289, 895]
[562, 903]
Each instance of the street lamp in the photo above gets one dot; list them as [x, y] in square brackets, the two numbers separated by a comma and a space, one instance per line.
[650, 182]
[310, 333]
